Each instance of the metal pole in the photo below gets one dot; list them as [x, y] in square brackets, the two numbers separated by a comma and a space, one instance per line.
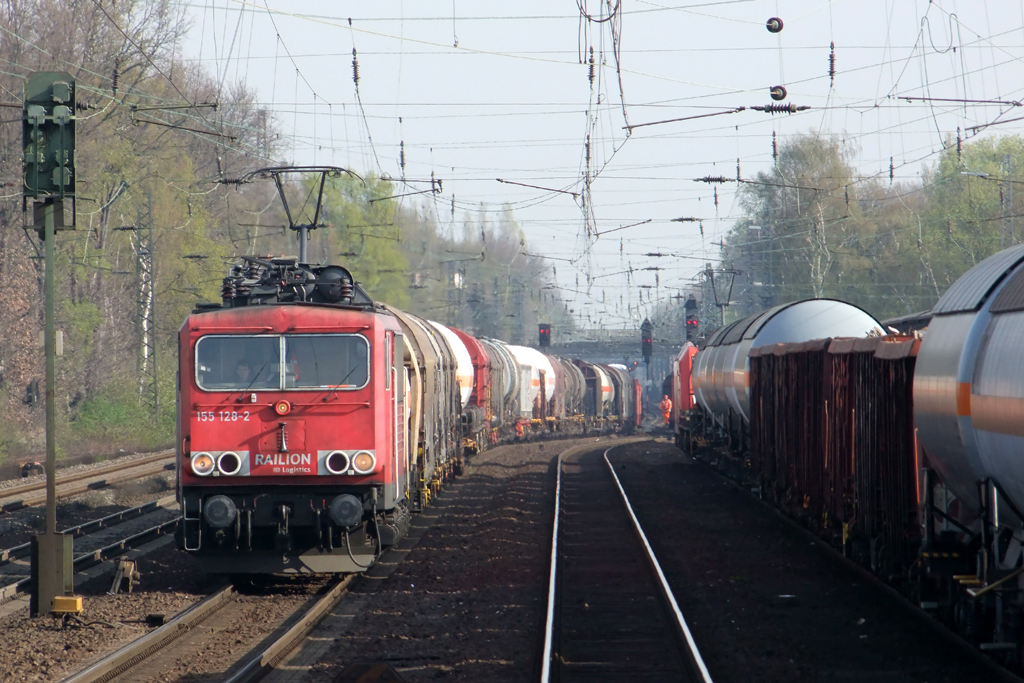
[929, 507]
[152, 308]
[50, 349]
[303, 243]
[1008, 205]
[647, 386]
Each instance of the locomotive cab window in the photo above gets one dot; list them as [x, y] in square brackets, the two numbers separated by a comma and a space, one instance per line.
[244, 363]
[232, 363]
[323, 361]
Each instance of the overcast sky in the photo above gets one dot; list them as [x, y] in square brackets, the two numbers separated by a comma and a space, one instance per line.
[486, 90]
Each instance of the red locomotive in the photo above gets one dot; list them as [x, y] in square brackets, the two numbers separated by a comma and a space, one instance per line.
[313, 421]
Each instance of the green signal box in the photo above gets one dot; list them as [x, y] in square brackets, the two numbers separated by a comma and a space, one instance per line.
[48, 136]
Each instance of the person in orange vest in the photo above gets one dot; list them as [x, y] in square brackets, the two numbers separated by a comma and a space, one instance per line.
[666, 409]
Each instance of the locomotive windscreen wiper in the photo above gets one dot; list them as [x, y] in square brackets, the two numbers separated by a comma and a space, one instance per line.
[341, 383]
[253, 381]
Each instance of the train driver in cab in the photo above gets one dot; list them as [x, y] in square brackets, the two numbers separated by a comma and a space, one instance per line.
[243, 372]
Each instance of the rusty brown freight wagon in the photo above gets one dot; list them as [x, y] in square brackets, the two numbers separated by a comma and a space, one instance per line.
[833, 444]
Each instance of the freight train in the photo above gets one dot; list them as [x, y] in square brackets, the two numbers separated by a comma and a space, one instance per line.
[903, 451]
[314, 421]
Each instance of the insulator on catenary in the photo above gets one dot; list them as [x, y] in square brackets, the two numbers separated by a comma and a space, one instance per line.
[847, 193]
[775, 148]
[401, 155]
[774, 25]
[712, 179]
[716, 198]
[832, 64]
[590, 64]
[737, 170]
[778, 92]
[892, 170]
[116, 76]
[355, 67]
[780, 108]
[959, 144]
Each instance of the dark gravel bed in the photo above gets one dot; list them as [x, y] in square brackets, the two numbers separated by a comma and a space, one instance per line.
[468, 602]
[45, 648]
[763, 601]
[19, 526]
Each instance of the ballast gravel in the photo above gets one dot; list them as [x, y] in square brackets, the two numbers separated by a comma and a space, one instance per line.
[763, 600]
[48, 648]
[75, 469]
[468, 602]
[18, 526]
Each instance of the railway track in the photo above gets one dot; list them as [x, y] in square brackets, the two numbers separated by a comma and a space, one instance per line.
[610, 614]
[150, 657]
[28, 495]
[98, 555]
[23, 550]
[103, 540]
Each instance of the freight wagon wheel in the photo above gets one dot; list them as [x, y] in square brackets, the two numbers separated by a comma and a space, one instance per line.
[966, 619]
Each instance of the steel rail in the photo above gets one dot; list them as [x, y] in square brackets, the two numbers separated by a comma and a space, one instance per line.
[549, 622]
[86, 560]
[143, 471]
[694, 652]
[23, 550]
[126, 657]
[260, 663]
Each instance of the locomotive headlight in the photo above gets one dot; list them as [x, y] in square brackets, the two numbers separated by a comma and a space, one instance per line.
[202, 464]
[219, 511]
[229, 463]
[364, 462]
[346, 511]
[337, 462]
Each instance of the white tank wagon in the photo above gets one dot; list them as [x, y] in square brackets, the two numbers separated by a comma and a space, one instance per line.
[463, 361]
[969, 381]
[504, 380]
[538, 378]
[721, 382]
